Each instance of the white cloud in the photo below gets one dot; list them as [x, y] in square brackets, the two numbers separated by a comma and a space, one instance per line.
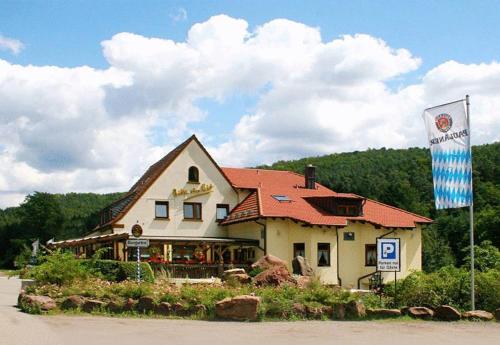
[86, 129]
[11, 44]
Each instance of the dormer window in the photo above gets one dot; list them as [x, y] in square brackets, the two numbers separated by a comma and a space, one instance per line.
[193, 175]
[347, 210]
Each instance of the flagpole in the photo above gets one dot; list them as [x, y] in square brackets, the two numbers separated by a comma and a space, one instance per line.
[471, 215]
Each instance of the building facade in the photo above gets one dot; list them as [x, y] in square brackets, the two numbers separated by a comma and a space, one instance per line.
[196, 214]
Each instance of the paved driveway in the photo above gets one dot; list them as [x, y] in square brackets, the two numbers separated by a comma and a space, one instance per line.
[17, 328]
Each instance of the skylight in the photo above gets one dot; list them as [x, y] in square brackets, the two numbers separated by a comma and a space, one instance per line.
[281, 198]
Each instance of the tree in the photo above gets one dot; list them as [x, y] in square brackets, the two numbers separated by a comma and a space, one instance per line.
[41, 217]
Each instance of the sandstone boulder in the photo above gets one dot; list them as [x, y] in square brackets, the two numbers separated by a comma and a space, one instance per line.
[233, 271]
[236, 274]
[114, 307]
[268, 261]
[145, 304]
[478, 315]
[299, 309]
[44, 303]
[274, 276]
[163, 308]
[72, 302]
[339, 311]
[20, 297]
[238, 308]
[242, 278]
[198, 309]
[447, 313]
[382, 313]
[303, 281]
[129, 305]
[327, 311]
[179, 309]
[314, 312]
[302, 267]
[91, 305]
[420, 313]
[355, 309]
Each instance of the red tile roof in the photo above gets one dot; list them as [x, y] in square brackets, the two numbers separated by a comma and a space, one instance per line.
[267, 183]
[246, 210]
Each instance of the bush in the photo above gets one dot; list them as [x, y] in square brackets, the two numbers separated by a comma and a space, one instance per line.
[128, 270]
[255, 271]
[105, 269]
[488, 290]
[116, 271]
[449, 285]
[59, 268]
[130, 289]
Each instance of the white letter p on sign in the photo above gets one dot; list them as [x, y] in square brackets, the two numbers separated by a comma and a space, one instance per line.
[387, 248]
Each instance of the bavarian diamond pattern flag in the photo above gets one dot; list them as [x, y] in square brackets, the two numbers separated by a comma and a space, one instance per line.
[449, 139]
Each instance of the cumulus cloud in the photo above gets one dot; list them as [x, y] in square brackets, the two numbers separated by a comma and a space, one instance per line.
[87, 129]
[11, 44]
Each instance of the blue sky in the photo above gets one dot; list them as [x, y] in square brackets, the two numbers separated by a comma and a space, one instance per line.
[249, 100]
[68, 33]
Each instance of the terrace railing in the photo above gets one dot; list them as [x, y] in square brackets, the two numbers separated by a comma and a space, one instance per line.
[193, 271]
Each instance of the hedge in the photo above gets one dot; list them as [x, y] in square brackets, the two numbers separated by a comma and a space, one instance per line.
[116, 271]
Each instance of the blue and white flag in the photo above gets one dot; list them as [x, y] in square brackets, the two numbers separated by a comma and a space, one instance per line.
[449, 139]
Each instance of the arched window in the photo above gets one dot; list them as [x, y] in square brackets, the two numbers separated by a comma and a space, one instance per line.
[193, 175]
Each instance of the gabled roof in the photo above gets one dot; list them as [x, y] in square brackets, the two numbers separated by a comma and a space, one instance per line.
[148, 178]
[267, 183]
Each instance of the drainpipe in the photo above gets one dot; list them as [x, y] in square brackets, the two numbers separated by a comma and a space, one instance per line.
[339, 280]
[264, 228]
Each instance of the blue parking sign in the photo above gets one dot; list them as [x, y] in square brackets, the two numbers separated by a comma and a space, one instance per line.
[388, 255]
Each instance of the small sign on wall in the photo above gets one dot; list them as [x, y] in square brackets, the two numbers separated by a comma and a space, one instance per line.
[348, 236]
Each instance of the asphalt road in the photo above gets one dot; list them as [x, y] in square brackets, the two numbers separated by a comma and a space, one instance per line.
[17, 328]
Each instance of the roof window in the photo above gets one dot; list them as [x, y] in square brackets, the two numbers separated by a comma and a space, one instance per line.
[282, 198]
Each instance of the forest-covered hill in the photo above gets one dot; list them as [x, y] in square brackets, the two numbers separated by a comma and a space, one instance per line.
[397, 177]
[45, 216]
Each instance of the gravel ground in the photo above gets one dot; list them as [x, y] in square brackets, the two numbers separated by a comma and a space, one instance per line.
[17, 328]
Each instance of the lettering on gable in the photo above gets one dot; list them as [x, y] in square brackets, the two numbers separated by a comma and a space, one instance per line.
[189, 193]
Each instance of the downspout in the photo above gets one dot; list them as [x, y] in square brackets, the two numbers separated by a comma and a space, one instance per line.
[264, 228]
[339, 280]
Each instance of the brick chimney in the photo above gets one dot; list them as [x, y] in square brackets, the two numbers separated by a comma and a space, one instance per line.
[310, 177]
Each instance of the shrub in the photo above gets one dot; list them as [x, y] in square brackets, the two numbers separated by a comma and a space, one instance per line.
[488, 290]
[128, 270]
[105, 269]
[130, 289]
[116, 271]
[255, 271]
[59, 268]
[449, 285]
[486, 256]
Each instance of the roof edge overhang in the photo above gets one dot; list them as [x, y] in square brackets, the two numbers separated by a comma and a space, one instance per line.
[87, 240]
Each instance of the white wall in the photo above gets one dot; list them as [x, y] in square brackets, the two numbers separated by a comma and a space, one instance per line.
[176, 176]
